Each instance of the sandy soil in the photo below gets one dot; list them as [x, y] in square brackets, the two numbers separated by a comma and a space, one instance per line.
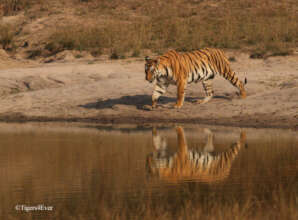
[116, 91]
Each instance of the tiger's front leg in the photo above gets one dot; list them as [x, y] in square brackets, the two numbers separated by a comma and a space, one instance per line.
[180, 94]
[158, 91]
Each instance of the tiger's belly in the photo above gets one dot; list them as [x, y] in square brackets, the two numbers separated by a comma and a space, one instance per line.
[198, 76]
[194, 77]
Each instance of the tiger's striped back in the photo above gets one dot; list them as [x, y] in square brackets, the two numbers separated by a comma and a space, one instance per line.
[200, 65]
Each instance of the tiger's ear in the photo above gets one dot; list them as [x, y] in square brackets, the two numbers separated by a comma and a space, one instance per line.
[147, 59]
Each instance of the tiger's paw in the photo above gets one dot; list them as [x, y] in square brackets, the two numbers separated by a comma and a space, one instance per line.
[201, 101]
[243, 95]
[204, 100]
[177, 106]
[148, 107]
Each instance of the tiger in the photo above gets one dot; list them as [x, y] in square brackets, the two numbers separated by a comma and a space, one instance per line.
[186, 67]
[186, 164]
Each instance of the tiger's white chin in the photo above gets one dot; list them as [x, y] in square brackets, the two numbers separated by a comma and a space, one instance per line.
[151, 81]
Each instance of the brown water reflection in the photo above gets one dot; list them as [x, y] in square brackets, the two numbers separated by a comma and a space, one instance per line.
[89, 172]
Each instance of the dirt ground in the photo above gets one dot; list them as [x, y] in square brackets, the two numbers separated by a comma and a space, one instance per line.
[115, 92]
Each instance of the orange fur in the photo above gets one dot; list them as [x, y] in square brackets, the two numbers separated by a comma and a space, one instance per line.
[201, 65]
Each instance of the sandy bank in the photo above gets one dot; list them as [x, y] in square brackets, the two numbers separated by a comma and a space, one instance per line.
[115, 91]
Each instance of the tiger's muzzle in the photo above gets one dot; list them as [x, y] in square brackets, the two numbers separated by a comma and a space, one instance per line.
[150, 77]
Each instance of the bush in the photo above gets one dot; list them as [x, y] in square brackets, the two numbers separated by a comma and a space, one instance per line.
[11, 7]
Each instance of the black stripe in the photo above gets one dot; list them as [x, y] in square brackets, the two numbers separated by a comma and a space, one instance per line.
[171, 77]
[232, 78]
[205, 52]
[204, 69]
[167, 72]
[198, 77]
[198, 74]
[196, 67]
[219, 65]
[236, 80]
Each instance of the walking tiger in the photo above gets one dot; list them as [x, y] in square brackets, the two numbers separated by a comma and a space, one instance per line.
[184, 68]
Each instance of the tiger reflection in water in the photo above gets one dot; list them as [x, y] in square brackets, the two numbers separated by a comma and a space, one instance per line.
[203, 166]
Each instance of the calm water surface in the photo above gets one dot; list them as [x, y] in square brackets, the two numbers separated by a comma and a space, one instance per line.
[130, 172]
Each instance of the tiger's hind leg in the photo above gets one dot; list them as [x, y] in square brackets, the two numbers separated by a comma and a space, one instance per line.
[238, 84]
[231, 76]
[207, 85]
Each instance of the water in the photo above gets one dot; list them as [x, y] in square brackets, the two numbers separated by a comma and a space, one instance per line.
[129, 172]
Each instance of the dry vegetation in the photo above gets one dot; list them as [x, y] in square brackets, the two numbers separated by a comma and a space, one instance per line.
[6, 36]
[124, 28]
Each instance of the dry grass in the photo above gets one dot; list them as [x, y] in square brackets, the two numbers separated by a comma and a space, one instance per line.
[12, 7]
[125, 28]
[7, 35]
[118, 40]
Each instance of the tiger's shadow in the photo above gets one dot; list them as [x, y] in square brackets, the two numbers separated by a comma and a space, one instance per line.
[136, 100]
[139, 101]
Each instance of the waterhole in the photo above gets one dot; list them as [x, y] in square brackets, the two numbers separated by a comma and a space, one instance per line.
[83, 171]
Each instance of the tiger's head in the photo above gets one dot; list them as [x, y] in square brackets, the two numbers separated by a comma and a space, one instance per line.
[151, 68]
